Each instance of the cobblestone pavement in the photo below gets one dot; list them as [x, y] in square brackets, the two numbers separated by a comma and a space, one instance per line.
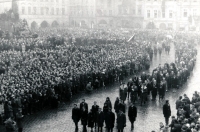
[149, 115]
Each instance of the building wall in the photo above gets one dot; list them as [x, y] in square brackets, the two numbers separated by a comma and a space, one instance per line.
[5, 5]
[174, 17]
[82, 13]
[164, 14]
[37, 12]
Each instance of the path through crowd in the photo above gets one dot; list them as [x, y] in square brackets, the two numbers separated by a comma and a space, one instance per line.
[149, 115]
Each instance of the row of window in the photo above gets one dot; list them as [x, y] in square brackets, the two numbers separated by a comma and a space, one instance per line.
[49, 1]
[171, 0]
[170, 15]
[43, 11]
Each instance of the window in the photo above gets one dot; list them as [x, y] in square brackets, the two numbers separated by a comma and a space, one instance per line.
[170, 14]
[110, 12]
[34, 10]
[23, 10]
[47, 10]
[155, 14]
[57, 11]
[63, 11]
[52, 11]
[185, 13]
[194, 12]
[139, 10]
[120, 10]
[163, 14]
[42, 10]
[29, 10]
[148, 14]
[109, 3]
[133, 11]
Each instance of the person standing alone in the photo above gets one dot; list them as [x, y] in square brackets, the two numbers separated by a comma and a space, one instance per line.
[132, 114]
[166, 112]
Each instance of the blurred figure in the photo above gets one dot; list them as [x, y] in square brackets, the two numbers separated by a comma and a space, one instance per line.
[132, 114]
[76, 116]
[110, 120]
[166, 112]
[121, 121]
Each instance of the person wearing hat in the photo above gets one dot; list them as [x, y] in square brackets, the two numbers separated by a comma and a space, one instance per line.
[121, 121]
[166, 112]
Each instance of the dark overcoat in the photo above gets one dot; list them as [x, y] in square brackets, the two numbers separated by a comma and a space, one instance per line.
[110, 119]
[121, 121]
[100, 119]
[166, 110]
[132, 113]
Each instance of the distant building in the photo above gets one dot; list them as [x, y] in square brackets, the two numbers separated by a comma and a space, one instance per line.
[171, 14]
[43, 13]
[82, 13]
[151, 14]
[5, 5]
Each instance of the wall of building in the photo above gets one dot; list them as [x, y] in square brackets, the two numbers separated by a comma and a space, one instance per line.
[44, 12]
[5, 5]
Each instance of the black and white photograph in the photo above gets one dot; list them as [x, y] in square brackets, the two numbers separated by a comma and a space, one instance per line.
[99, 66]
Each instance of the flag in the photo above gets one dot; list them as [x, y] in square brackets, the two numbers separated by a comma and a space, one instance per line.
[132, 38]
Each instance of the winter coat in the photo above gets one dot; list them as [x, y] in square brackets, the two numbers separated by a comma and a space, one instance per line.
[100, 119]
[132, 113]
[121, 121]
[84, 117]
[166, 110]
[110, 119]
[76, 115]
[91, 120]
[122, 107]
[94, 111]
[116, 106]
[109, 104]
[84, 105]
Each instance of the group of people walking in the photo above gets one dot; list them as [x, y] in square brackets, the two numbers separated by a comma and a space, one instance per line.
[97, 117]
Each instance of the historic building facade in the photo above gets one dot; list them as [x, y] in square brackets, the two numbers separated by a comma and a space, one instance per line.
[43, 13]
[171, 14]
[160, 14]
[82, 13]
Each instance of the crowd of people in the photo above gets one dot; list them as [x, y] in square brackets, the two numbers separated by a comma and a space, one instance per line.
[139, 88]
[40, 72]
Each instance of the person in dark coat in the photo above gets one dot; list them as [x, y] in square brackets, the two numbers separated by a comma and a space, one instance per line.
[100, 120]
[95, 109]
[83, 104]
[19, 118]
[134, 92]
[105, 108]
[132, 114]
[91, 120]
[84, 118]
[108, 102]
[121, 121]
[154, 90]
[129, 84]
[121, 106]
[76, 116]
[166, 111]
[116, 105]
[110, 120]
[161, 91]
[179, 102]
